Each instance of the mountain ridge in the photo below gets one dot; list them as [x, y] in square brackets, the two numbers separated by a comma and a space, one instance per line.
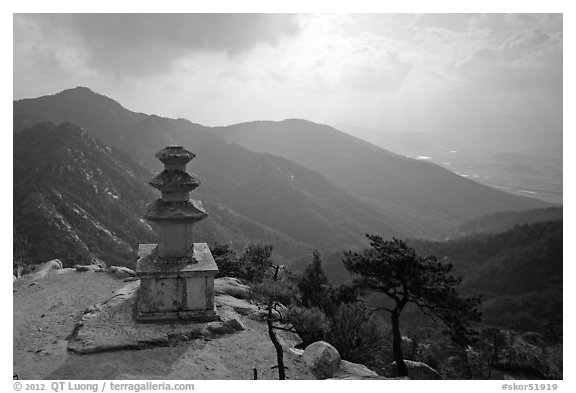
[60, 201]
[58, 170]
[387, 180]
[302, 205]
[276, 198]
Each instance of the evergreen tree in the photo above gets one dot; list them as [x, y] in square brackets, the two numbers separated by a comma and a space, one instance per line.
[313, 284]
[254, 261]
[395, 270]
[226, 260]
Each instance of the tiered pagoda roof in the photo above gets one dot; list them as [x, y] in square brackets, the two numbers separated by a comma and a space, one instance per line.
[175, 183]
[191, 210]
[175, 155]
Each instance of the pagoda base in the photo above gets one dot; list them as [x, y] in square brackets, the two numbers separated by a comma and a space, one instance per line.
[194, 316]
[176, 289]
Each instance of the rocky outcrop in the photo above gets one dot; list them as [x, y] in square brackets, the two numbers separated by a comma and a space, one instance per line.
[241, 306]
[322, 359]
[220, 328]
[97, 329]
[236, 324]
[82, 268]
[227, 326]
[355, 371]
[416, 370]
[43, 269]
[231, 286]
[88, 268]
[121, 271]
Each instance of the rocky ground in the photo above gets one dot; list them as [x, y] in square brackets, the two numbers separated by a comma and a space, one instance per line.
[79, 325]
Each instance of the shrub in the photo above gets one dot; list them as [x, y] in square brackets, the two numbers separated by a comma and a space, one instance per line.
[359, 335]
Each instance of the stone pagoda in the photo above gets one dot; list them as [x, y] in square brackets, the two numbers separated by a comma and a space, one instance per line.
[176, 275]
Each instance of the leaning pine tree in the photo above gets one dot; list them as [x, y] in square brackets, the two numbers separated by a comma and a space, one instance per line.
[276, 293]
[394, 269]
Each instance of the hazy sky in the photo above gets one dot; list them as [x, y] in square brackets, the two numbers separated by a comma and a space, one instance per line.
[406, 72]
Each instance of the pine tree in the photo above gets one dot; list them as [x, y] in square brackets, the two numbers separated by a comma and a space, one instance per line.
[313, 284]
[394, 269]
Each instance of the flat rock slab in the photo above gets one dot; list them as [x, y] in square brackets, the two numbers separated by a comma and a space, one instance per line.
[231, 286]
[112, 326]
[45, 314]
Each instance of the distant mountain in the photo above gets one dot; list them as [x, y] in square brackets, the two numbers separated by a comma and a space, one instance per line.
[300, 186]
[519, 272]
[505, 132]
[405, 143]
[250, 197]
[533, 167]
[78, 106]
[503, 221]
[420, 197]
[78, 200]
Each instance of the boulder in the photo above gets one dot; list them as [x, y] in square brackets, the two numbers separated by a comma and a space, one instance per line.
[235, 324]
[242, 307]
[351, 370]
[220, 328]
[121, 271]
[231, 286]
[66, 270]
[43, 269]
[322, 359]
[416, 370]
[122, 295]
[258, 315]
[355, 371]
[83, 268]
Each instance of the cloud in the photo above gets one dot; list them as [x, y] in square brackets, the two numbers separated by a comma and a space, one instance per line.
[385, 75]
[551, 22]
[453, 22]
[524, 44]
[528, 59]
[144, 44]
[374, 70]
